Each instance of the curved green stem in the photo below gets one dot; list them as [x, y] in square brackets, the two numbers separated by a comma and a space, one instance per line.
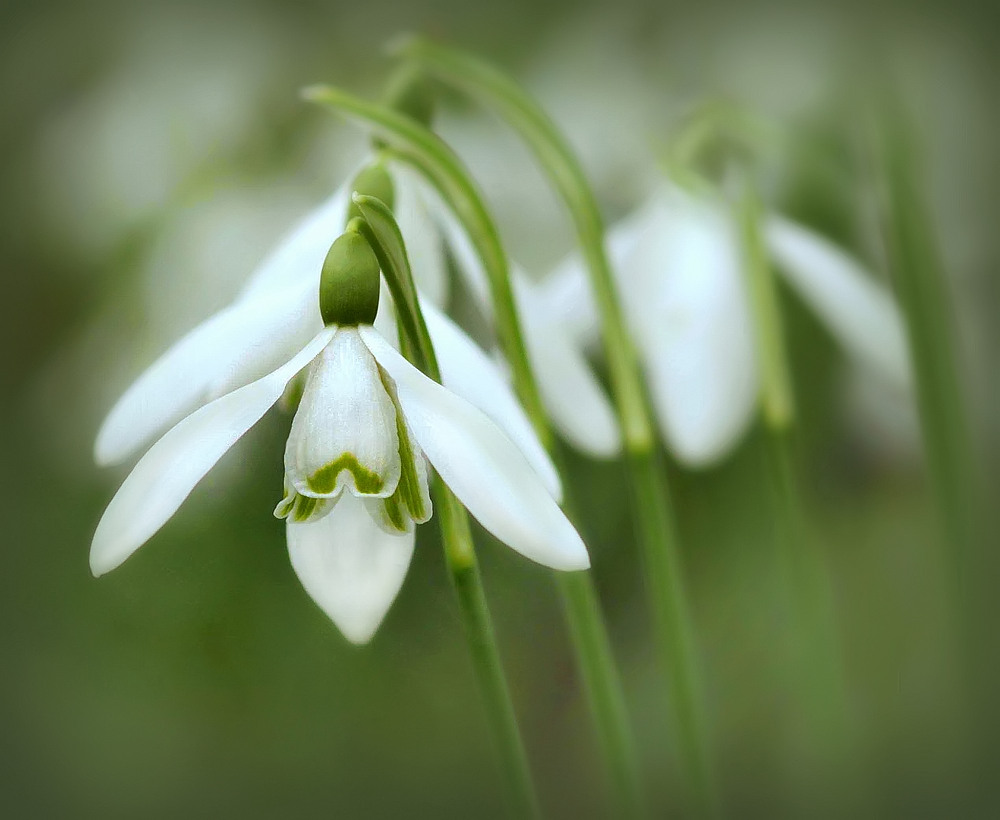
[671, 616]
[497, 91]
[818, 673]
[968, 564]
[920, 282]
[382, 232]
[429, 155]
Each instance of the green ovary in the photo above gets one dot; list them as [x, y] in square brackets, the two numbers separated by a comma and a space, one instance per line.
[324, 480]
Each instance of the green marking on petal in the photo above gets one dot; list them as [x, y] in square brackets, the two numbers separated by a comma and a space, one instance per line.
[366, 482]
[304, 508]
[301, 508]
[410, 490]
[394, 513]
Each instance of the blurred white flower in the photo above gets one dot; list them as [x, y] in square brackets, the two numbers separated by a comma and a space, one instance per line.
[366, 420]
[682, 283]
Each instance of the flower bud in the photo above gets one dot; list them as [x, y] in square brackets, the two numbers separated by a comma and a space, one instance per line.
[349, 286]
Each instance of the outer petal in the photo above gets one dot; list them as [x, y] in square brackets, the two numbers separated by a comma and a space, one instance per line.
[424, 243]
[574, 398]
[482, 466]
[350, 566]
[165, 476]
[467, 371]
[344, 432]
[236, 345]
[860, 314]
[684, 295]
[282, 323]
[461, 247]
[301, 253]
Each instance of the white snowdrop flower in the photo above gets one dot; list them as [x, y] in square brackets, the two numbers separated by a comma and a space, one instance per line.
[355, 474]
[684, 292]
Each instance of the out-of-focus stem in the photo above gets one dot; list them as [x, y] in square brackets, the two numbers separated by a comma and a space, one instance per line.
[919, 280]
[818, 672]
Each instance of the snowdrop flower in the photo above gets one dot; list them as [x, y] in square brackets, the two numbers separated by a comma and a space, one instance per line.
[355, 473]
[685, 295]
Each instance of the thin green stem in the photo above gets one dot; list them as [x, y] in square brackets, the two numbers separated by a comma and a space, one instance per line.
[464, 571]
[603, 686]
[671, 623]
[817, 671]
[818, 674]
[382, 232]
[776, 385]
[434, 159]
[919, 280]
[498, 92]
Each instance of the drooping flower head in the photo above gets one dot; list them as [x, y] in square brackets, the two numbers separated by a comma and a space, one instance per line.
[356, 478]
[685, 294]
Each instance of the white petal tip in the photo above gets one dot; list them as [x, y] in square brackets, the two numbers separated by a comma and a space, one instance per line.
[576, 563]
[697, 458]
[566, 553]
[358, 634]
[102, 560]
[604, 447]
[106, 452]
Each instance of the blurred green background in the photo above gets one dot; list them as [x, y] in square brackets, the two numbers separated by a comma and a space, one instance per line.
[152, 152]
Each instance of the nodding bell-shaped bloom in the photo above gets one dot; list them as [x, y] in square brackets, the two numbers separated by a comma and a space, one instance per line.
[355, 472]
[685, 294]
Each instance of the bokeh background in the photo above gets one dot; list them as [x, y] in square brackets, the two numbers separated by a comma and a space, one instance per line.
[151, 153]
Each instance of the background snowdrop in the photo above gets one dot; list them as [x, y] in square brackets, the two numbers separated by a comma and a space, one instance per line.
[682, 281]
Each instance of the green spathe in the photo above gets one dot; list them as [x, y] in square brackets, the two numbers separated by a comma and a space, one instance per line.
[349, 287]
[372, 180]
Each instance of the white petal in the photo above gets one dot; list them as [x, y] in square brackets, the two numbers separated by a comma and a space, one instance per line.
[860, 313]
[284, 321]
[685, 299]
[346, 422]
[467, 371]
[566, 292]
[165, 476]
[236, 345]
[462, 249]
[349, 566]
[482, 466]
[569, 301]
[574, 398]
[424, 243]
[301, 253]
